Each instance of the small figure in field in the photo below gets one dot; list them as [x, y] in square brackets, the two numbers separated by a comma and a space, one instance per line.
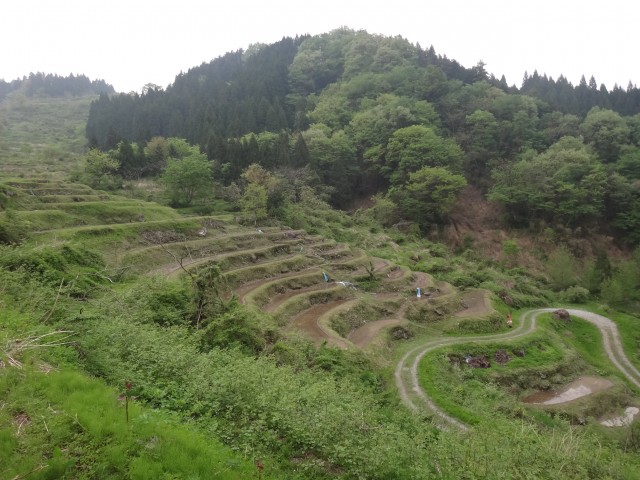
[509, 320]
[326, 279]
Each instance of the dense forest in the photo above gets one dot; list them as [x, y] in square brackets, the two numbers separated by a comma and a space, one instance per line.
[54, 85]
[371, 114]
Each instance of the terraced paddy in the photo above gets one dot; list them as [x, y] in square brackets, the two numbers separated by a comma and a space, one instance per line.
[326, 292]
[274, 269]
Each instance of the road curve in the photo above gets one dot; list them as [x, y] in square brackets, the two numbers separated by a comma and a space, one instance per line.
[416, 399]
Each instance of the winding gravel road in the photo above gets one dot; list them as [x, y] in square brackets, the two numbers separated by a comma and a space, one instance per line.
[416, 399]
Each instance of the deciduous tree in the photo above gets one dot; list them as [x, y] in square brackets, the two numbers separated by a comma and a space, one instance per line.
[429, 195]
[186, 179]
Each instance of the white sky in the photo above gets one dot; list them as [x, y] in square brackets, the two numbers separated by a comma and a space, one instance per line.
[129, 43]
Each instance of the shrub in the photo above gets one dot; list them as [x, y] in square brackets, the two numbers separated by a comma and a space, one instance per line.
[235, 328]
[493, 323]
[461, 279]
[13, 230]
[434, 265]
[575, 294]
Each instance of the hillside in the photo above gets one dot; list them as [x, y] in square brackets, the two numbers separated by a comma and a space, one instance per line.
[177, 309]
[377, 115]
[236, 329]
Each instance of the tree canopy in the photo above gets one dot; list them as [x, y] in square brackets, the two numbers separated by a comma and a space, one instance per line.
[363, 113]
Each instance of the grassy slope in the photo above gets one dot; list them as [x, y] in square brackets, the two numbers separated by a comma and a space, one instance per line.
[56, 421]
[42, 135]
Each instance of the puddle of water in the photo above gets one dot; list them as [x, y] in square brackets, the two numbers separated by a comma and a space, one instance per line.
[577, 389]
[624, 420]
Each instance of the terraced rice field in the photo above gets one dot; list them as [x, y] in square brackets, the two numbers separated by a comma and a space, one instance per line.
[327, 292]
[278, 270]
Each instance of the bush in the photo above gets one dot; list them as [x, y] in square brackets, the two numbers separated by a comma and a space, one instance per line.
[494, 323]
[434, 265]
[461, 280]
[236, 328]
[575, 294]
[12, 229]
[73, 267]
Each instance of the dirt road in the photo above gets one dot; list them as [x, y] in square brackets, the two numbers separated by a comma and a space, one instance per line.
[416, 399]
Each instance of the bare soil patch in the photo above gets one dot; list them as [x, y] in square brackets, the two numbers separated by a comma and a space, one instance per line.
[278, 300]
[308, 323]
[476, 304]
[362, 336]
[365, 334]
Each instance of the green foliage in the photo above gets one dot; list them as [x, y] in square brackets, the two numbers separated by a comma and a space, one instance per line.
[254, 202]
[461, 279]
[156, 153]
[78, 425]
[491, 324]
[623, 287]
[596, 272]
[413, 148]
[482, 147]
[362, 313]
[187, 179]
[385, 211]
[510, 248]
[236, 327]
[565, 182]
[256, 403]
[74, 270]
[429, 195]
[575, 294]
[13, 230]
[161, 302]
[101, 171]
[331, 156]
[562, 269]
[42, 135]
[585, 339]
[606, 131]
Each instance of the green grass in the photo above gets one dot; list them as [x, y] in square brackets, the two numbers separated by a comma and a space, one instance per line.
[584, 338]
[430, 374]
[57, 422]
[57, 216]
[42, 135]
[295, 305]
[473, 394]
[263, 294]
[99, 236]
[65, 424]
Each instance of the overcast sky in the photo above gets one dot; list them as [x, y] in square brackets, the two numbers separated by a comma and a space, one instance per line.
[130, 43]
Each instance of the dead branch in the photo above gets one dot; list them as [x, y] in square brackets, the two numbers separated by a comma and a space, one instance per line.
[19, 345]
[48, 315]
[19, 477]
[179, 261]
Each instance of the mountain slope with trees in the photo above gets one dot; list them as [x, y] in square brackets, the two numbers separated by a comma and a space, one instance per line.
[254, 328]
[365, 112]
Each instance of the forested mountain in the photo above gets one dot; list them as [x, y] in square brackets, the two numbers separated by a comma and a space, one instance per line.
[55, 85]
[373, 114]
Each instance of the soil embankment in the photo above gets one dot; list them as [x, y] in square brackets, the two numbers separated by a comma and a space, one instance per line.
[475, 304]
